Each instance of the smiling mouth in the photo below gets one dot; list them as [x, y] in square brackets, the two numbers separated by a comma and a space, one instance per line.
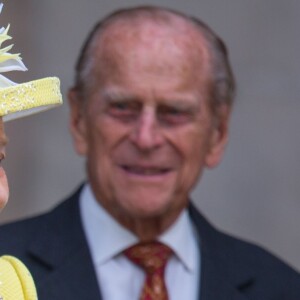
[142, 171]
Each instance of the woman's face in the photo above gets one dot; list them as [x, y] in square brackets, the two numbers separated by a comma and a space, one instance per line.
[4, 191]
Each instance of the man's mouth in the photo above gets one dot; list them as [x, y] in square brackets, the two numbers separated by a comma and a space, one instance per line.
[145, 171]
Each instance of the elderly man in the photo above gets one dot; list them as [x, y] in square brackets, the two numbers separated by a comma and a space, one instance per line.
[149, 111]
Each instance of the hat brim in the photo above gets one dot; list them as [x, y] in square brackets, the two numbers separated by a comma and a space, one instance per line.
[29, 98]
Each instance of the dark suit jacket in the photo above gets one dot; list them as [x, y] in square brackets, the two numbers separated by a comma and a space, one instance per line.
[54, 248]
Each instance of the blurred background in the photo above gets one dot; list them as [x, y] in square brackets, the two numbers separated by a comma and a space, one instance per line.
[254, 193]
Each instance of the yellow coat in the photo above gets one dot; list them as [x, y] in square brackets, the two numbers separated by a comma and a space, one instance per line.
[16, 282]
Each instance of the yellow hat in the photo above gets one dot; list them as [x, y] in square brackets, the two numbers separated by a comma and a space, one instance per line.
[19, 100]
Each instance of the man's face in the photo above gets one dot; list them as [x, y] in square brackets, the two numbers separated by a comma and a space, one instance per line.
[3, 180]
[147, 130]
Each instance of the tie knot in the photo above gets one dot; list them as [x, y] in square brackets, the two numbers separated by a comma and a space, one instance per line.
[151, 256]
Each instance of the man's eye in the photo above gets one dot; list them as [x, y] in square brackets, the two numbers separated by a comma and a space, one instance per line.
[120, 106]
[172, 115]
[122, 110]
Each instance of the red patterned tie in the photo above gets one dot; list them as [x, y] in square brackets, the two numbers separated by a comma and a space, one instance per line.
[152, 257]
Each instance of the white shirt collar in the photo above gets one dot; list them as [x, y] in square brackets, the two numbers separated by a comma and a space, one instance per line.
[107, 238]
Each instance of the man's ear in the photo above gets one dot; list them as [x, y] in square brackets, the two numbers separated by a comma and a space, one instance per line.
[77, 122]
[219, 136]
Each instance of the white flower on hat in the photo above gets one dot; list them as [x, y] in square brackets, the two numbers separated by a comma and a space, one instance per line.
[20, 100]
[8, 61]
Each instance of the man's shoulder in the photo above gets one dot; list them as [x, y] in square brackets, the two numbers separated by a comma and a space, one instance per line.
[242, 261]
[251, 255]
[270, 273]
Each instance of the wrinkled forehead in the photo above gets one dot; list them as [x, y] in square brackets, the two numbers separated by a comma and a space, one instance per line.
[125, 41]
[145, 30]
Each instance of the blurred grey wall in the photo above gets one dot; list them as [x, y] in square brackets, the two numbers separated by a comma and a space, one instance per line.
[255, 192]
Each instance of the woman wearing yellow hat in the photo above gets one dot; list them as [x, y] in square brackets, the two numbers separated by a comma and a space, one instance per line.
[19, 100]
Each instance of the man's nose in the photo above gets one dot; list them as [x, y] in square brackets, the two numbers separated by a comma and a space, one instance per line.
[146, 134]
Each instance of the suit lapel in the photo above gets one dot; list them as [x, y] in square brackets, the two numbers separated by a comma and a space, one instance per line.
[61, 248]
[83, 284]
[216, 283]
[221, 278]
